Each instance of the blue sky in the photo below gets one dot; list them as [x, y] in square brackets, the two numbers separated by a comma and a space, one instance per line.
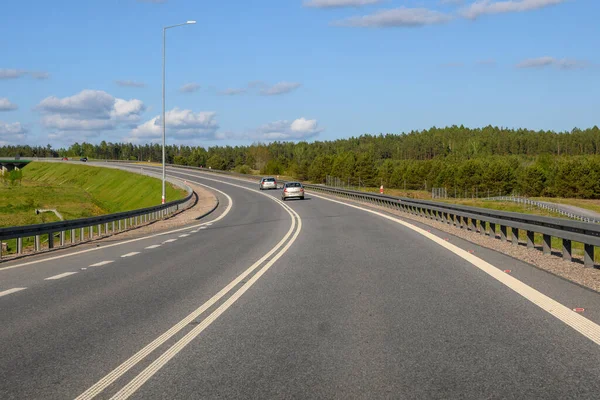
[293, 69]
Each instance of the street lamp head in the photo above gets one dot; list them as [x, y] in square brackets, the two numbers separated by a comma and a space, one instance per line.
[191, 22]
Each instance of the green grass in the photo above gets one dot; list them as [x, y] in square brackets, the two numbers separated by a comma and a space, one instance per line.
[77, 191]
[502, 206]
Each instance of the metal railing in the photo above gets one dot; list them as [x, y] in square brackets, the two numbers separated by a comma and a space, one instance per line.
[62, 233]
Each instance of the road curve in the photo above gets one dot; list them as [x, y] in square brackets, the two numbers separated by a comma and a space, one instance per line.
[357, 306]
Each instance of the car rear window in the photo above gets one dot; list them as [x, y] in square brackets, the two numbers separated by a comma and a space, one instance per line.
[294, 184]
[270, 180]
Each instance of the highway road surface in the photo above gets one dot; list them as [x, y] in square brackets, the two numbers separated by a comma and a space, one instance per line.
[302, 299]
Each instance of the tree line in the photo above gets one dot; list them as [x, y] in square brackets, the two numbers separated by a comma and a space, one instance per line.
[464, 161]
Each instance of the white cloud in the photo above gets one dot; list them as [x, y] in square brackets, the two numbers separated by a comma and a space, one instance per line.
[130, 84]
[482, 7]
[547, 61]
[127, 110]
[19, 73]
[233, 92]
[11, 132]
[60, 122]
[189, 88]
[89, 110]
[398, 17]
[41, 75]
[6, 105]
[339, 3]
[280, 88]
[11, 73]
[298, 129]
[95, 103]
[181, 124]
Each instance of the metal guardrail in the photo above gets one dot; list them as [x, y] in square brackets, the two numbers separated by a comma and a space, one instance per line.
[492, 223]
[86, 229]
[545, 206]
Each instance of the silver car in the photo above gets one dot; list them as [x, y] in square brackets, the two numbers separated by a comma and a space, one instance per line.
[268, 183]
[292, 190]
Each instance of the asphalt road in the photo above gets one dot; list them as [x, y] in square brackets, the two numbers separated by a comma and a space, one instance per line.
[330, 301]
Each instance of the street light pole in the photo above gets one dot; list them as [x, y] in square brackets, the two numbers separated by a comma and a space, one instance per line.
[164, 122]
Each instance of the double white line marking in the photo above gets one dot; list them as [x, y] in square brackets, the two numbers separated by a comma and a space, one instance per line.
[276, 252]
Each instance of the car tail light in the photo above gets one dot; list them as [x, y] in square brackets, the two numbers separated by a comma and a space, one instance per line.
[285, 189]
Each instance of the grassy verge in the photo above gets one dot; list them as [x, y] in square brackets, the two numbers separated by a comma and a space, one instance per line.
[77, 191]
[503, 206]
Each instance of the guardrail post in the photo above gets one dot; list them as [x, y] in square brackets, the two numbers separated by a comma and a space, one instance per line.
[100, 230]
[530, 240]
[515, 236]
[106, 229]
[503, 233]
[91, 228]
[63, 235]
[492, 230]
[547, 244]
[113, 227]
[73, 238]
[81, 235]
[36, 243]
[566, 250]
[472, 225]
[588, 260]
[19, 245]
[50, 240]
[482, 228]
[126, 223]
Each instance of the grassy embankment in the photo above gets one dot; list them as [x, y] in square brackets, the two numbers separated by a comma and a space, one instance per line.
[76, 191]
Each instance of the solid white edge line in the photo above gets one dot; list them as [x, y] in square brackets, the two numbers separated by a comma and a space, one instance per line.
[59, 276]
[229, 206]
[11, 291]
[160, 362]
[587, 328]
[101, 263]
[115, 374]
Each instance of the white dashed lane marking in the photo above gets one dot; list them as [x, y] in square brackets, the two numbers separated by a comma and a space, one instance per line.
[154, 246]
[170, 241]
[133, 253]
[11, 291]
[101, 263]
[59, 276]
[184, 235]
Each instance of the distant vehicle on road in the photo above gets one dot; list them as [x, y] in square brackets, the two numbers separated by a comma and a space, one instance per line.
[292, 190]
[83, 159]
[65, 159]
[268, 183]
